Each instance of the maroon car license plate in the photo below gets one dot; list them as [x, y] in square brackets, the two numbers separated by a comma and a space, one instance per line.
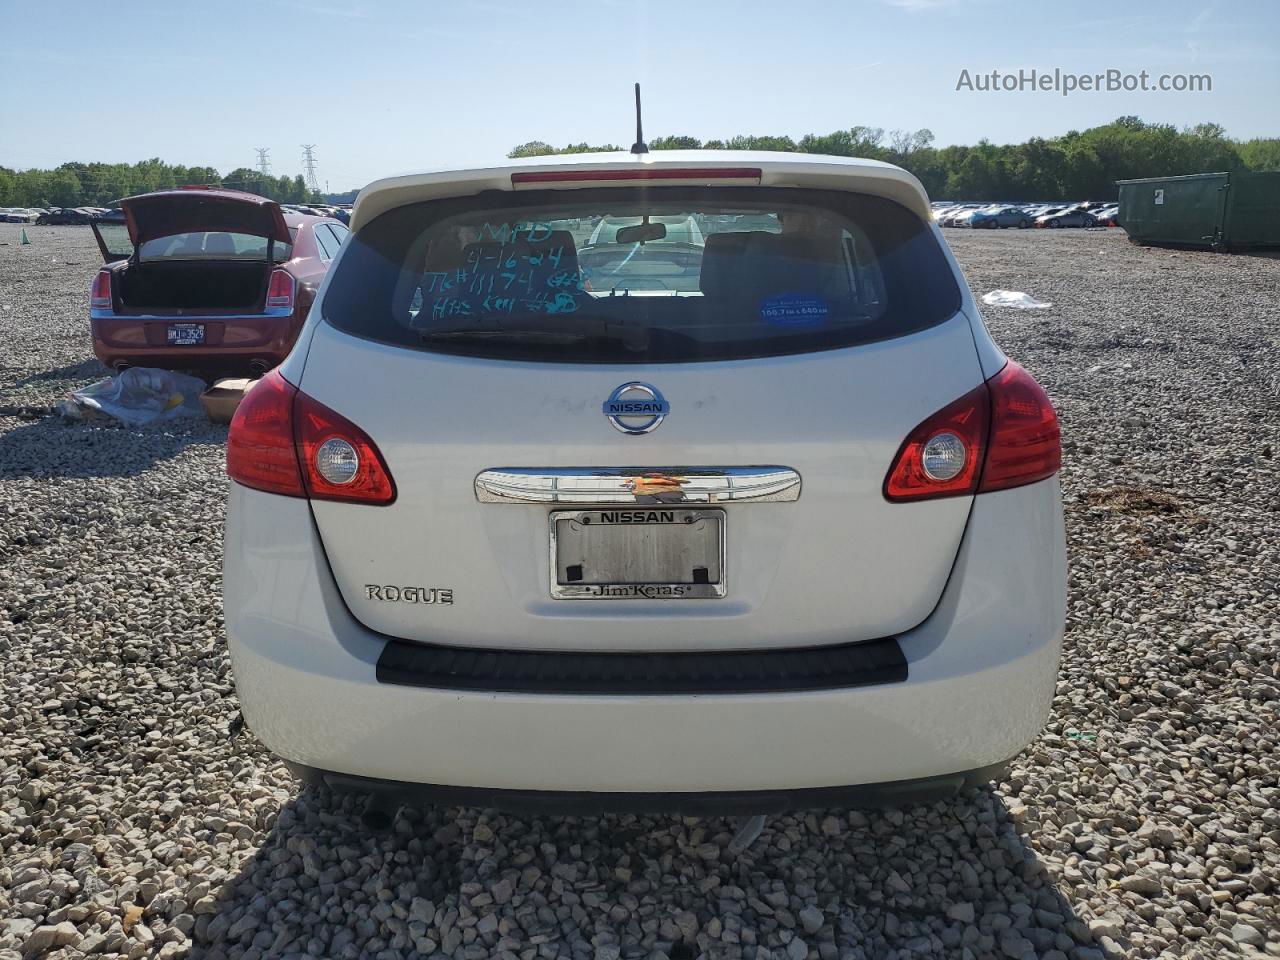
[186, 334]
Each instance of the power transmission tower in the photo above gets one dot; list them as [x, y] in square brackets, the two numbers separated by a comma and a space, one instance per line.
[309, 164]
[264, 161]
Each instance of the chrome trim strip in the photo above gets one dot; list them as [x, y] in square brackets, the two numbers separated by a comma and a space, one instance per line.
[637, 485]
[101, 313]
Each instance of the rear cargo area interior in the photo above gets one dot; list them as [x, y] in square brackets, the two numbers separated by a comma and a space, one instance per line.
[188, 285]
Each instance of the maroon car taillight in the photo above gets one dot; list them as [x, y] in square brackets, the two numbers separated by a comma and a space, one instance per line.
[1000, 435]
[100, 293]
[281, 289]
[283, 441]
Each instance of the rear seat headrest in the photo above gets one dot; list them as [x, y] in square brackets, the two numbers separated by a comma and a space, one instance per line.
[759, 263]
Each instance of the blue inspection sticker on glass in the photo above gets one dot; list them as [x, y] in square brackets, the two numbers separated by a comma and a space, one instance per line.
[794, 309]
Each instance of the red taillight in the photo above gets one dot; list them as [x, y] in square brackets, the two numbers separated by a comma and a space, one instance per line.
[695, 174]
[1007, 430]
[967, 419]
[260, 448]
[313, 425]
[1026, 442]
[280, 290]
[100, 295]
[274, 438]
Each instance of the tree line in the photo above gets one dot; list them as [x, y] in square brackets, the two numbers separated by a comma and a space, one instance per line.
[100, 184]
[1081, 164]
[1077, 165]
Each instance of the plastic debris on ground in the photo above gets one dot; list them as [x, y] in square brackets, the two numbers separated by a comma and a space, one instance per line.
[1015, 299]
[137, 396]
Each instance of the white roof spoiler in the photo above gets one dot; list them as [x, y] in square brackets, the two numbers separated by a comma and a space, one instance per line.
[674, 167]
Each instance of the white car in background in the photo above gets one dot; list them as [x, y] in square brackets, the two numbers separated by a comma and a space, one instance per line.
[762, 522]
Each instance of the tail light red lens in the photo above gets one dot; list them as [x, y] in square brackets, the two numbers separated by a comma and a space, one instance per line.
[100, 294]
[1026, 441]
[1007, 429]
[281, 289]
[967, 419]
[260, 448]
[275, 440]
[314, 424]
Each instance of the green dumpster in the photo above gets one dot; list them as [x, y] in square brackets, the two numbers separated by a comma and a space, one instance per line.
[1218, 210]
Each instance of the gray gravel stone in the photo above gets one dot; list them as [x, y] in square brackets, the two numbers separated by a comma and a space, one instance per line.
[811, 919]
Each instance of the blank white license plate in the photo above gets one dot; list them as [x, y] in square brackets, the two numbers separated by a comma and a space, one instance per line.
[186, 334]
[637, 553]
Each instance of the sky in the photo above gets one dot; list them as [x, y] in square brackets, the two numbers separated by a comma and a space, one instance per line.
[388, 86]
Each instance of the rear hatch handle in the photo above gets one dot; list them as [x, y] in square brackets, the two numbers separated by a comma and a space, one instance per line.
[638, 485]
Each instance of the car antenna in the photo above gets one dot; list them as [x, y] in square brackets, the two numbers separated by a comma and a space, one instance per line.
[639, 146]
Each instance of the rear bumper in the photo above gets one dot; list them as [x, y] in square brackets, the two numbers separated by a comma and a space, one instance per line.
[142, 341]
[981, 674]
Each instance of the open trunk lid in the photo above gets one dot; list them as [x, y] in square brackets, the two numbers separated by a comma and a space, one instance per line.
[188, 210]
[191, 210]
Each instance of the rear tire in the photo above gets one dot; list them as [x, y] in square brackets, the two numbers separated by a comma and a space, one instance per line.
[1024, 224]
[1055, 223]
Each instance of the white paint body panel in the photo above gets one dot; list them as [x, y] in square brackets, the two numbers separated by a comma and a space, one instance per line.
[974, 588]
[838, 565]
[982, 669]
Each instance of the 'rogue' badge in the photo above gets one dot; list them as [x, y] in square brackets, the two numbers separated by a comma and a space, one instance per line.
[636, 408]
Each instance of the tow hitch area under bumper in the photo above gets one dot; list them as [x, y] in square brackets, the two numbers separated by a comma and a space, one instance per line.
[899, 793]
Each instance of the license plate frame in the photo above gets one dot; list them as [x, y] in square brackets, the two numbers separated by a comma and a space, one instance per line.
[185, 334]
[675, 539]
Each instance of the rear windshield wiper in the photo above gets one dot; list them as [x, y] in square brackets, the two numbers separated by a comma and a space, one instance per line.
[500, 333]
[547, 329]
[561, 325]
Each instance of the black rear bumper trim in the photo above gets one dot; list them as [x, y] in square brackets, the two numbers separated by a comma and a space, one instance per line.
[642, 674]
[896, 793]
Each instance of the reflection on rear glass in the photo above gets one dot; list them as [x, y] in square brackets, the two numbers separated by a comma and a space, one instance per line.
[688, 275]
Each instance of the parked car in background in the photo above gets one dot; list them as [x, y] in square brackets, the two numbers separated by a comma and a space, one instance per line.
[206, 279]
[957, 214]
[18, 215]
[1108, 216]
[961, 216]
[991, 218]
[63, 216]
[1069, 217]
[775, 526]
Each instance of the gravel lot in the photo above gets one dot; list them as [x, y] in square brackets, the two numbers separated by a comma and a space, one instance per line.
[1145, 821]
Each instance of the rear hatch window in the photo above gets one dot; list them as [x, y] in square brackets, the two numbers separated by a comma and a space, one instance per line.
[644, 275]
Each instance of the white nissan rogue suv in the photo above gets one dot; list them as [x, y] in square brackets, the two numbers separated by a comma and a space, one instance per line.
[687, 481]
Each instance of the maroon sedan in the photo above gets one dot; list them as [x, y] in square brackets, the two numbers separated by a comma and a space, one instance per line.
[206, 279]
